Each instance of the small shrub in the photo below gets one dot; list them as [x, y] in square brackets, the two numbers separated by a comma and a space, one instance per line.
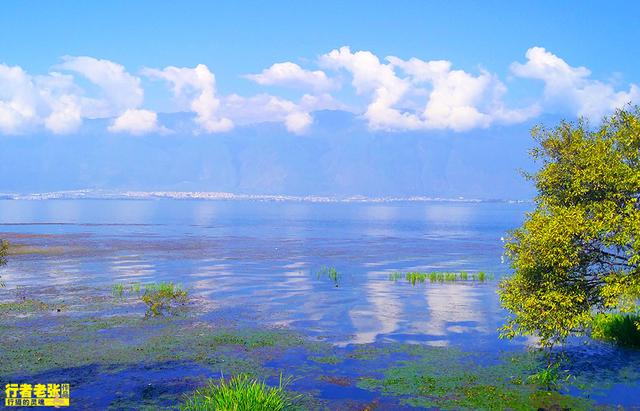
[241, 393]
[623, 329]
[163, 297]
[482, 276]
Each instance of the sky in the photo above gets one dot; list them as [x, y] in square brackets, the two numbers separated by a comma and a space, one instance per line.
[119, 68]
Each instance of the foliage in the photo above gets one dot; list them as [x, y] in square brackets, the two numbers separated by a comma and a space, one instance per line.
[579, 250]
[163, 297]
[621, 328]
[240, 393]
[4, 247]
[549, 377]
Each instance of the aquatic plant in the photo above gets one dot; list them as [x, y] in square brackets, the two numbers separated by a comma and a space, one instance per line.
[395, 276]
[117, 290]
[163, 297]
[4, 246]
[415, 277]
[240, 393]
[549, 377]
[621, 328]
[331, 273]
[482, 276]
[134, 288]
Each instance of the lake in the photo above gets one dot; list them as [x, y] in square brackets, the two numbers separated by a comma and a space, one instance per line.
[260, 264]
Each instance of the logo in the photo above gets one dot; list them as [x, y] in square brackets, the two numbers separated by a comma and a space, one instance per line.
[37, 395]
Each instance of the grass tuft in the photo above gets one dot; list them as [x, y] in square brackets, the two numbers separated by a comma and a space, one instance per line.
[240, 393]
[416, 277]
[331, 273]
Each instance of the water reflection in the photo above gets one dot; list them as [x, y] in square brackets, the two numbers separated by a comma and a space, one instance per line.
[260, 260]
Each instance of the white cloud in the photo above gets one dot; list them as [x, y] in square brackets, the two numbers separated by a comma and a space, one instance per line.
[26, 101]
[136, 122]
[197, 85]
[459, 100]
[121, 90]
[572, 88]
[65, 116]
[267, 108]
[399, 94]
[456, 99]
[292, 75]
[370, 76]
[17, 99]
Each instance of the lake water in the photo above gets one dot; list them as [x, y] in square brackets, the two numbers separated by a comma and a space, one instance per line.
[262, 259]
[258, 263]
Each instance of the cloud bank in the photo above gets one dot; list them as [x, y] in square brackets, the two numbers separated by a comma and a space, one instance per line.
[391, 94]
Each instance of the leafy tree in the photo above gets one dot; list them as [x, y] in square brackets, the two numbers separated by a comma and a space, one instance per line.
[578, 252]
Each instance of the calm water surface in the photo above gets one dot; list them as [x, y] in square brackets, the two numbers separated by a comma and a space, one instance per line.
[258, 263]
[262, 259]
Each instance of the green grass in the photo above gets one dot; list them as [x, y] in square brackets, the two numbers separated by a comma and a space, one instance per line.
[416, 277]
[623, 329]
[117, 290]
[240, 393]
[331, 273]
[395, 276]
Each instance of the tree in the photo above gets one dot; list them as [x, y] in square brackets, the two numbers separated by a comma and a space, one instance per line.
[578, 252]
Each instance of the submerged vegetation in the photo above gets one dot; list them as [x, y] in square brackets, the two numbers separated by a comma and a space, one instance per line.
[621, 328]
[416, 277]
[240, 393]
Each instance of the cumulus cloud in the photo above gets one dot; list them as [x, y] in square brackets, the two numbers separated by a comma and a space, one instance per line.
[17, 99]
[456, 99]
[370, 76]
[121, 90]
[567, 87]
[26, 101]
[267, 108]
[289, 74]
[459, 100]
[197, 85]
[136, 122]
[399, 94]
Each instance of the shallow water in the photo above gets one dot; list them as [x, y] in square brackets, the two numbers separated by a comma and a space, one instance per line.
[257, 263]
[262, 259]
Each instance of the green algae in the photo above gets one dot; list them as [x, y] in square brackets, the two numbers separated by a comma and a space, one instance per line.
[27, 306]
[450, 379]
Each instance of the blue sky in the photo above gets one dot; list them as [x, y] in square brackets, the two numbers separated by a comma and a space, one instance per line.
[235, 39]
[454, 68]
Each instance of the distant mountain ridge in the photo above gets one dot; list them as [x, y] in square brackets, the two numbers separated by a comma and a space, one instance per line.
[338, 157]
